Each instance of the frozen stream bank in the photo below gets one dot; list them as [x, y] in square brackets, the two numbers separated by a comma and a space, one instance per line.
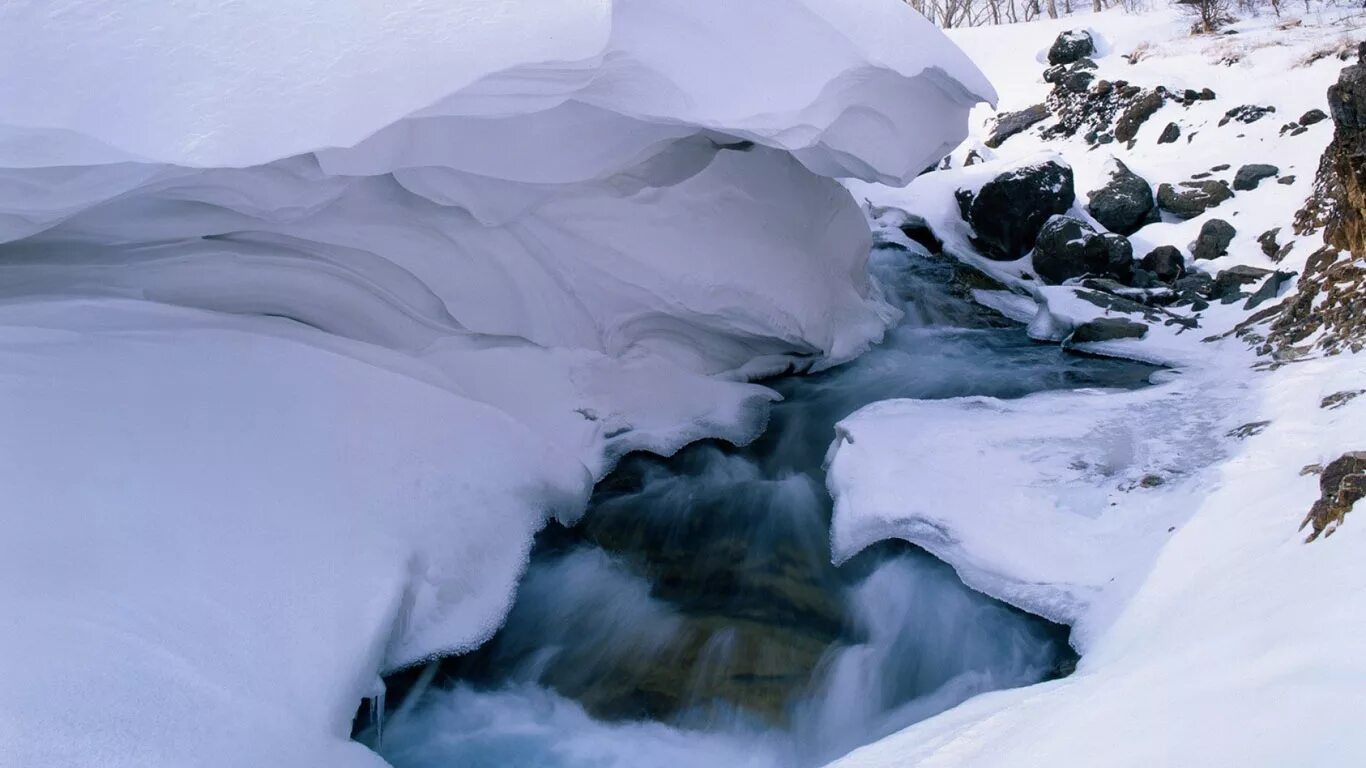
[694, 618]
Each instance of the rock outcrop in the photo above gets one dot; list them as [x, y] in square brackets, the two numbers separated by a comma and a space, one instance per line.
[1008, 212]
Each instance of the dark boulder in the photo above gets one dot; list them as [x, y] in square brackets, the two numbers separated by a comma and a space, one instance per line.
[1136, 114]
[1125, 203]
[1250, 175]
[1228, 284]
[1166, 262]
[1011, 123]
[1070, 46]
[1068, 248]
[1119, 256]
[1192, 198]
[1213, 240]
[1009, 211]
[1107, 329]
[1169, 134]
[1077, 81]
[1312, 117]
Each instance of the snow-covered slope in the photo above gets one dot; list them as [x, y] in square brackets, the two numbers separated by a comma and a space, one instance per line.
[1162, 524]
[310, 314]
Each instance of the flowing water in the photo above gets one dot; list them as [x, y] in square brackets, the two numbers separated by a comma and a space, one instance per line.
[693, 617]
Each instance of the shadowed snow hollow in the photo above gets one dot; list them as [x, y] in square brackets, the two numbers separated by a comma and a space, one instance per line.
[300, 302]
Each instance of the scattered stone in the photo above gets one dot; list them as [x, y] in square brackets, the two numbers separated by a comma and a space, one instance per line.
[1313, 117]
[1228, 284]
[1221, 167]
[1192, 198]
[1201, 175]
[1342, 483]
[1152, 481]
[1286, 180]
[1268, 242]
[1206, 94]
[1311, 469]
[1068, 248]
[1269, 290]
[1250, 429]
[1125, 203]
[1250, 175]
[1339, 399]
[972, 158]
[1011, 123]
[1169, 134]
[1010, 210]
[1071, 46]
[1165, 262]
[1213, 240]
[1107, 329]
[1136, 114]
[1193, 288]
[1247, 113]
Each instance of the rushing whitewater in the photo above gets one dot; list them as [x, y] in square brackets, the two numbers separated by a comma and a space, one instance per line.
[311, 314]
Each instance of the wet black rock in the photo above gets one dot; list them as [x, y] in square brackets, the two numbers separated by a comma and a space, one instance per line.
[1250, 175]
[1165, 262]
[1068, 248]
[1247, 113]
[1136, 114]
[1169, 134]
[1011, 123]
[1125, 203]
[1010, 210]
[1312, 117]
[1192, 198]
[1213, 240]
[1107, 329]
[1070, 46]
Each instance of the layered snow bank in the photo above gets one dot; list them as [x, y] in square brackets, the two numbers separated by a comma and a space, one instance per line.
[309, 316]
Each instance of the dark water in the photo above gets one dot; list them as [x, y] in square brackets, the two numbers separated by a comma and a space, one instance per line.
[693, 618]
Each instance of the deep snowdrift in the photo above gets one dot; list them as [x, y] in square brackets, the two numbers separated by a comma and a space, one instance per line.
[310, 315]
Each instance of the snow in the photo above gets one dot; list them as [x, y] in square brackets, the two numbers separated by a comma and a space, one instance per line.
[311, 314]
[1211, 634]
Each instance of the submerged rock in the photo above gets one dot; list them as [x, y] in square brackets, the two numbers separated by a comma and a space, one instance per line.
[1010, 210]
